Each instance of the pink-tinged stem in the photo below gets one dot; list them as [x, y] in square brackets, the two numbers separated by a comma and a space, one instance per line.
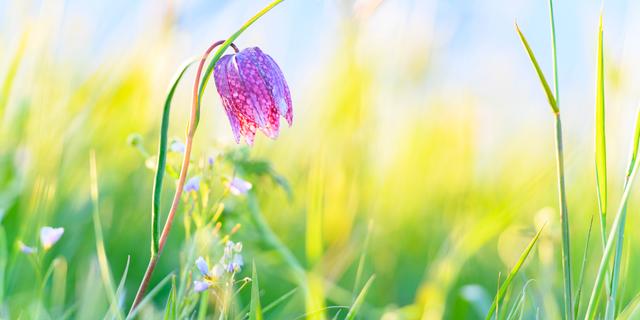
[191, 130]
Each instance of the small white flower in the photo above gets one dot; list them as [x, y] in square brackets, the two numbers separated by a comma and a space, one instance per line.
[177, 146]
[25, 248]
[238, 186]
[217, 271]
[237, 263]
[49, 236]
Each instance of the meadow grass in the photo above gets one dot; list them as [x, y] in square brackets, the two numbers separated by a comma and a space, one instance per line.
[331, 229]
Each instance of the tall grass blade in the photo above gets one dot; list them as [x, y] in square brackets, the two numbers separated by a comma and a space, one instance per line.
[278, 301]
[255, 313]
[617, 259]
[357, 303]
[576, 307]
[14, 65]
[503, 288]
[363, 257]
[120, 289]
[630, 310]
[601, 147]
[105, 271]
[566, 247]
[536, 66]
[4, 256]
[170, 311]
[564, 215]
[604, 262]
[517, 310]
[150, 295]
[162, 157]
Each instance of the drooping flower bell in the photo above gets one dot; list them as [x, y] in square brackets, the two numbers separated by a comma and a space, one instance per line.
[254, 93]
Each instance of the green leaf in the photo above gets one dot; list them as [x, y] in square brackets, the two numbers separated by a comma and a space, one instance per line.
[162, 157]
[512, 274]
[255, 313]
[357, 303]
[543, 80]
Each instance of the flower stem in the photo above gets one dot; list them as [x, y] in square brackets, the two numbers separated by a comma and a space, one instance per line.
[191, 130]
[198, 91]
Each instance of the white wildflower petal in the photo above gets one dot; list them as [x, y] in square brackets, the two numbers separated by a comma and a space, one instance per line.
[49, 236]
[217, 271]
[239, 187]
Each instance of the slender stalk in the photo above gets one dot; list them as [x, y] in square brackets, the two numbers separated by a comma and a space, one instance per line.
[198, 90]
[609, 246]
[153, 260]
[162, 159]
[225, 45]
[617, 260]
[564, 217]
[566, 246]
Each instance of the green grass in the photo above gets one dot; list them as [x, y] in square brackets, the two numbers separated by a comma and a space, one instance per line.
[354, 213]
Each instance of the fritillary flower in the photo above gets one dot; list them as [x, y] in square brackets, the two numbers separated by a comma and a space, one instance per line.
[254, 93]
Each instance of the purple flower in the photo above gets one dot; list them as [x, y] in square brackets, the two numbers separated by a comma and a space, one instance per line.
[49, 236]
[238, 186]
[254, 93]
[177, 146]
[202, 266]
[192, 184]
[199, 286]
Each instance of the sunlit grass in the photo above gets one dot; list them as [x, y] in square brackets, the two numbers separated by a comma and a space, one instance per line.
[345, 220]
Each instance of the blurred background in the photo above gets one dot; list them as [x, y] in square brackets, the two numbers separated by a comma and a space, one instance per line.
[419, 125]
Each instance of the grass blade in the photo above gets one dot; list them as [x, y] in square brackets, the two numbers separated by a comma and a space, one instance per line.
[543, 80]
[566, 247]
[255, 313]
[576, 307]
[601, 149]
[279, 300]
[512, 274]
[631, 309]
[4, 256]
[617, 259]
[357, 303]
[150, 295]
[105, 271]
[170, 311]
[162, 157]
[597, 287]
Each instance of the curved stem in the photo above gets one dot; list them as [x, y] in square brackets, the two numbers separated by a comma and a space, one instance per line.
[191, 130]
[198, 90]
